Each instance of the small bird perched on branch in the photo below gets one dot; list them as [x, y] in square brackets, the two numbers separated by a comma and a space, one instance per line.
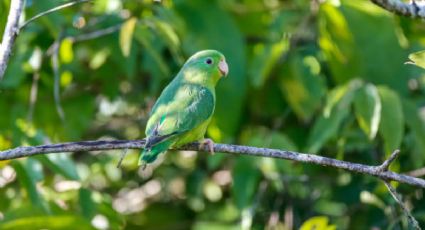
[185, 107]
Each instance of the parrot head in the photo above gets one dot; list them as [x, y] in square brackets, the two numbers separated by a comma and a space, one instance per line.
[206, 66]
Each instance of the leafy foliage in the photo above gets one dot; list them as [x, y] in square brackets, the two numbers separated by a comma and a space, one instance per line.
[327, 79]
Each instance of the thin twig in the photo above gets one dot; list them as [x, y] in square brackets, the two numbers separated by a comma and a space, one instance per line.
[417, 172]
[409, 9]
[398, 199]
[223, 148]
[96, 34]
[10, 33]
[384, 167]
[52, 10]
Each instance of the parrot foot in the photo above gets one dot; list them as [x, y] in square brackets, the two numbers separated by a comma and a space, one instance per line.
[210, 144]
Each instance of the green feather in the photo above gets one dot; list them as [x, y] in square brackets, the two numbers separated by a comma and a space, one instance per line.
[185, 107]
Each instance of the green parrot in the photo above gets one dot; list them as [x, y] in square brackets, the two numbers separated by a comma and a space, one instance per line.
[185, 107]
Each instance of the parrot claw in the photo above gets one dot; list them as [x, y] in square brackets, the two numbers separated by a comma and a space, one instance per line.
[210, 144]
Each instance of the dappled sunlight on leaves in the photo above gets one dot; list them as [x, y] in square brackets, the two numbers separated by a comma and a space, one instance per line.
[323, 77]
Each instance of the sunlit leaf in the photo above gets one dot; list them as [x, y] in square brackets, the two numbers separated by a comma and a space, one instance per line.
[99, 58]
[264, 58]
[66, 54]
[327, 125]
[302, 87]
[418, 59]
[126, 35]
[65, 78]
[349, 25]
[391, 127]
[317, 223]
[367, 105]
[47, 222]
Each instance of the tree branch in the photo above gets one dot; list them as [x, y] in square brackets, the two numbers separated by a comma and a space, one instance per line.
[96, 34]
[410, 9]
[375, 171]
[384, 167]
[10, 33]
[52, 10]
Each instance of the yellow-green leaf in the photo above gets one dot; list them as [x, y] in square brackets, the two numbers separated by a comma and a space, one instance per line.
[66, 54]
[126, 36]
[66, 78]
[317, 223]
[418, 59]
[47, 222]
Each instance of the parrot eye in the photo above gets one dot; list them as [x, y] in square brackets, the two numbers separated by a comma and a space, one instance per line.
[209, 61]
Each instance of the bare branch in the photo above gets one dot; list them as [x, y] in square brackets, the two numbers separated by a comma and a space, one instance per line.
[52, 10]
[223, 148]
[10, 33]
[384, 166]
[96, 34]
[410, 9]
[417, 172]
[397, 197]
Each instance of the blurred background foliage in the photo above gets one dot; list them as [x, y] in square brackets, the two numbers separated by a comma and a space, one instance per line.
[325, 77]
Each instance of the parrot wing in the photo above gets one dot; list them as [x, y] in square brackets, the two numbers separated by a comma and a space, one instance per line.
[191, 105]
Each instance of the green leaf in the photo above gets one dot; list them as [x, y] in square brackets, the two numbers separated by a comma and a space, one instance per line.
[302, 85]
[337, 109]
[126, 36]
[60, 163]
[29, 172]
[64, 222]
[391, 127]
[169, 36]
[264, 58]
[367, 106]
[86, 203]
[348, 25]
[143, 36]
[245, 181]
[417, 126]
[418, 59]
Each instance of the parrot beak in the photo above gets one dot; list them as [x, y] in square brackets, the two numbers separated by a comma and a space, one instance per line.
[223, 67]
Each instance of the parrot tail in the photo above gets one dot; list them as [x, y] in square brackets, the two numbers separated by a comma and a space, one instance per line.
[149, 155]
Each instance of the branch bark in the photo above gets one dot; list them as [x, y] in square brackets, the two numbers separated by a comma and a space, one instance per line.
[409, 9]
[376, 171]
[10, 33]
